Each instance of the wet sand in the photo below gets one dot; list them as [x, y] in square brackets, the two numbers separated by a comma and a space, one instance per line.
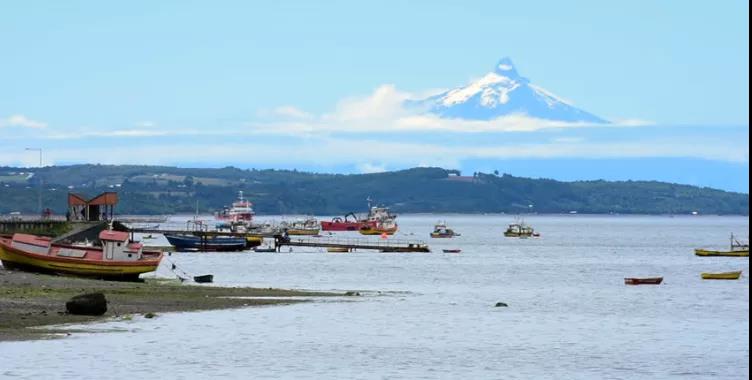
[30, 300]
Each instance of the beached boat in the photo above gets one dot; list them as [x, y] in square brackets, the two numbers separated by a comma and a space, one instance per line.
[721, 276]
[737, 249]
[118, 258]
[206, 243]
[376, 215]
[440, 230]
[520, 230]
[643, 281]
[264, 249]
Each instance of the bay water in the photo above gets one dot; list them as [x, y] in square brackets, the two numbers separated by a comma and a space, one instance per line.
[432, 315]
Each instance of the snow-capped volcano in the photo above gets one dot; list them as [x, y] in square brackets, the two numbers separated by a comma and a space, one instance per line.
[504, 92]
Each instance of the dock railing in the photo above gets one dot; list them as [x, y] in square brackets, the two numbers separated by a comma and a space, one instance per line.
[356, 243]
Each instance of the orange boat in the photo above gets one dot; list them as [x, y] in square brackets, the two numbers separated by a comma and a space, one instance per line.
[117, 259]
[387, 227]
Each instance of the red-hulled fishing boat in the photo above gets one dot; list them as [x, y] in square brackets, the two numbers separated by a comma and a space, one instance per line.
[643, 281]
[240, 212]
[340, 224]
[117, 258]
[376, 216]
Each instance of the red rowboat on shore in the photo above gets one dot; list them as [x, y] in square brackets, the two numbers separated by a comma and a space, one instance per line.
[643, 281]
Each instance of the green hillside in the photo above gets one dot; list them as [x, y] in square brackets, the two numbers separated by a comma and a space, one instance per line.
[168, 190]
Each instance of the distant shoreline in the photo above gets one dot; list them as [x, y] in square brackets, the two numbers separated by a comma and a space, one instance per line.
[151, 190]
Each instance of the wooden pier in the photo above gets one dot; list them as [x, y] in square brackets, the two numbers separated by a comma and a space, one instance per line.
[353, 244]
[37, 227]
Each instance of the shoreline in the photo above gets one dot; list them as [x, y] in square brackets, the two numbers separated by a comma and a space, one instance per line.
[30, 301]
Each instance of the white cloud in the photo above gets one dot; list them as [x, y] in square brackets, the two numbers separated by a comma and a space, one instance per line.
[368, 167]
[112, 133]
[384, 111]
[21, 121]
[292, 112]
[375, 155]
[146, 124]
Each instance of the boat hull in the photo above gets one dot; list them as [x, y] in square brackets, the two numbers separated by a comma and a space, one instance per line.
[303, 232]
[116, 270]
[185, 242]
[721, 276]
[442, 236]
[342, 226]
[643, 281]
[710, 253]
[338, 250]
[377, 231]
[521, 235]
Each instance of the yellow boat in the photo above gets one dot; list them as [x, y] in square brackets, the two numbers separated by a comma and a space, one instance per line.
[722, 276]
[737, 249]
[707, 252]
[253, 241]
[303, 231]
[371, 230]
[384, 227]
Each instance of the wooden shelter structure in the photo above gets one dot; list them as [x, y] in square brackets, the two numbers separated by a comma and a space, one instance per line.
[99, 208]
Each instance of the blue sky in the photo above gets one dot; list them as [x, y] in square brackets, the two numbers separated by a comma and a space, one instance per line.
[307, 84]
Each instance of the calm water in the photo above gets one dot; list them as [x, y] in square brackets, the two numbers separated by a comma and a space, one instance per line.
[570, 316]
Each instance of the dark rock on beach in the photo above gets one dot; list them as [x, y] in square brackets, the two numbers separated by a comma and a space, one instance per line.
[501, 304]
[87, 304]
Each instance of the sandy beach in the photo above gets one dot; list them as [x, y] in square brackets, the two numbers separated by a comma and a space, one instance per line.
[29, 300]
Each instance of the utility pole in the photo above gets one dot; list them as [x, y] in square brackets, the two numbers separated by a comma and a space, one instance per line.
[39, 179]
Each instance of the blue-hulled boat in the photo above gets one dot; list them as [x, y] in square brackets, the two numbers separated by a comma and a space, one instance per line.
[208, 243]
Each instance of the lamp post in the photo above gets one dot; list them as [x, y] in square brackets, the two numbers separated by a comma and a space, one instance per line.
[39, 195]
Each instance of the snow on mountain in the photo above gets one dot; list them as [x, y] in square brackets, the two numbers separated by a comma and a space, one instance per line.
[504, 92]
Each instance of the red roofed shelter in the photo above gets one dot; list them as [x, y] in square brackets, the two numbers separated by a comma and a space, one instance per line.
[99, 208]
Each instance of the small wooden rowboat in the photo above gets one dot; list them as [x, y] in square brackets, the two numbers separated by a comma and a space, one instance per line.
[721, 276]
[203, 279]
[452, 250]
[643, 281]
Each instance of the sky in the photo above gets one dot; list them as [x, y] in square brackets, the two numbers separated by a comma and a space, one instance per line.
[318, 85]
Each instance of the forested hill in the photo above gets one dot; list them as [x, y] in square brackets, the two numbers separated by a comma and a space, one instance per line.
[168, 190]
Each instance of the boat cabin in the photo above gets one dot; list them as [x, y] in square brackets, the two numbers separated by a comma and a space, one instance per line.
[117, 246]
[39, 245]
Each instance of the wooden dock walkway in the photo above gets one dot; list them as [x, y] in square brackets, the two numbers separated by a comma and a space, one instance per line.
[351, 244]
[196, 232]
